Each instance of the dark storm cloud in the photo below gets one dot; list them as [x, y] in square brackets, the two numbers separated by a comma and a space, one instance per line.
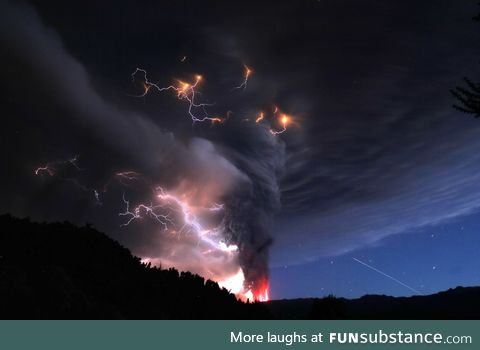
[389, 153]
[378, 149]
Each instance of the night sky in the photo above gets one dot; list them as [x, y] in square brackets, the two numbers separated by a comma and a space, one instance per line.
[376, 165]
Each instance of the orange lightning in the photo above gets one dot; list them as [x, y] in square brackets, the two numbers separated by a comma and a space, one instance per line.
[184, 91]
[248, 72]
[284, 121]
[277, 117]
[216, 120]
[260, 117]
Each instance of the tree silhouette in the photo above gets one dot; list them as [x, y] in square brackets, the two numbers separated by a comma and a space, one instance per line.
[468, 97]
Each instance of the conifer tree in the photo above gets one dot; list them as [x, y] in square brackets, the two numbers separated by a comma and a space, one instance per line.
[468, 97]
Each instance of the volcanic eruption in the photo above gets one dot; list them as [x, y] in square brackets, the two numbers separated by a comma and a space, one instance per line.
[202, 203]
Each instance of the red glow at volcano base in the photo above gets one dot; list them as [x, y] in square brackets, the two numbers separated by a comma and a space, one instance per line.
[260, 294]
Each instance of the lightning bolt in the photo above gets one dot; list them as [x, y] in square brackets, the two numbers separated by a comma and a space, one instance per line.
[184, 91]
[281, 118]
[247, 73]
[51, 168]
[284, 120]
[260, 117]
[55, 168]
[150, 210]
[175, 215]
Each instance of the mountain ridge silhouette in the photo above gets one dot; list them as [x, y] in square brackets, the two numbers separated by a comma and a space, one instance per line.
[61, 271]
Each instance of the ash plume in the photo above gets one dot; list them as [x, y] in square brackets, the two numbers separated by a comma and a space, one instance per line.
[251, 207]
[193, 172]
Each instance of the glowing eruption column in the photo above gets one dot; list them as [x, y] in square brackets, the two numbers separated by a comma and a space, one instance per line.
[170, 206]
[177, 216]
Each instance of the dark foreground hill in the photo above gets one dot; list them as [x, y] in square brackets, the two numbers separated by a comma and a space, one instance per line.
[458, 303]
[60, 271]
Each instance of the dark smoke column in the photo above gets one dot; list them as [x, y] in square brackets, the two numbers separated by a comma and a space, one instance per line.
[251, 207]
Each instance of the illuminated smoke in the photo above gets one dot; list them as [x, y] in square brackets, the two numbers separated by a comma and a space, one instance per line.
[216, 220]
[193, 204]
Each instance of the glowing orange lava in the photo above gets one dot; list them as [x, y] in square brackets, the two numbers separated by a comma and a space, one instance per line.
[262, 293]
[236, 285]
[261, 296]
